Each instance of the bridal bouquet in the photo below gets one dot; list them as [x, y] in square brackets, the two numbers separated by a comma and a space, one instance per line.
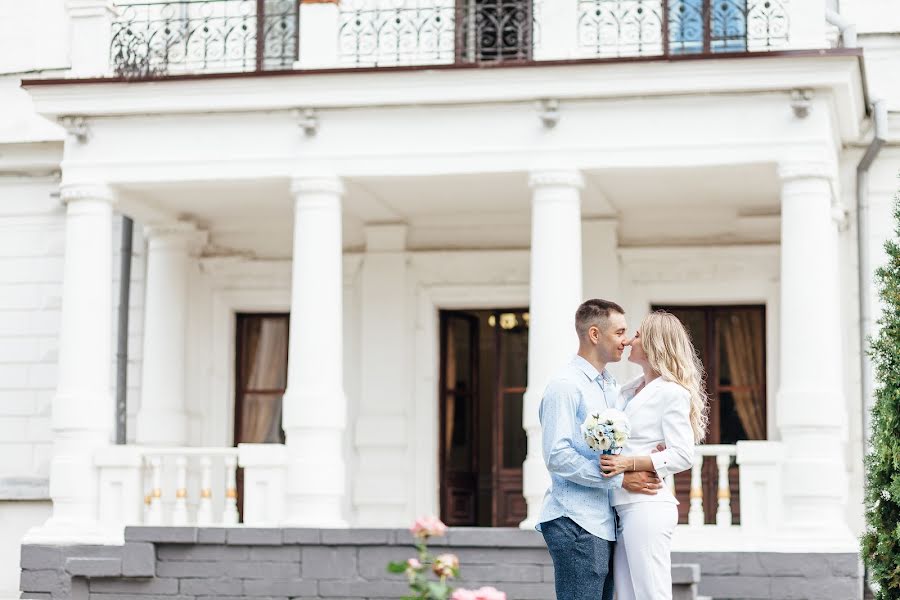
[606, 431]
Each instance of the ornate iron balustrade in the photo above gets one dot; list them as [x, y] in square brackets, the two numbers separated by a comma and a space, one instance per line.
[616, 28]
[397, 32]
[409, 32]
[193, 36]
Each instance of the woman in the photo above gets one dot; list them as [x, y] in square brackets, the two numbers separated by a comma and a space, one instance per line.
[666, 405]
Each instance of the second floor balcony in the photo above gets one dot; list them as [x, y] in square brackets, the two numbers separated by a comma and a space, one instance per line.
[157, 39]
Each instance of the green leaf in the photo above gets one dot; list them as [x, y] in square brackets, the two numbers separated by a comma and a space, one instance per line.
[396, 567]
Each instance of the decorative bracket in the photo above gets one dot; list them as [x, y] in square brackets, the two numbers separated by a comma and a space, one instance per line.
[801, 102]
[77, 127]
[549, 113]
[308, 120]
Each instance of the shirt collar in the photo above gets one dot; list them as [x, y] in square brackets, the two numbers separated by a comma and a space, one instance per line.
[590, 370]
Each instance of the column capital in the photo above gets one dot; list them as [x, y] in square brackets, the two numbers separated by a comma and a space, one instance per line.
[317, 184]
[74, 192]
[793, 170]
[556, 178]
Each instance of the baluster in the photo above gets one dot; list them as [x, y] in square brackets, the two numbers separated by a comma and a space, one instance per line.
[180, 514]
[204, 510]
[230, 515]
[154, 514]
[695, 514]
[723, 512]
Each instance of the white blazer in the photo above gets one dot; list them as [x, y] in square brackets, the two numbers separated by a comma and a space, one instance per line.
[658, 414]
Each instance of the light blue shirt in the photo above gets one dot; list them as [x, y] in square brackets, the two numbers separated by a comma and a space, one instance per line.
[578, 489]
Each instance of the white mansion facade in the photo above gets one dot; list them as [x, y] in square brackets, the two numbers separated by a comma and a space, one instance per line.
[361, 229]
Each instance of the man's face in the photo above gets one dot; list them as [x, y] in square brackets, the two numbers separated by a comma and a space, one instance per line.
[611, 339]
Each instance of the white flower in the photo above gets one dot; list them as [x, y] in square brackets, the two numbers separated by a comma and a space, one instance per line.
[885, 494]
[604, 443]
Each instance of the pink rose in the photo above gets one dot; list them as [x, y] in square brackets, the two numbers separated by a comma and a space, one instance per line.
[489, 593]
[413, 563]
[445, 565]
[425, 527]
[463, 594]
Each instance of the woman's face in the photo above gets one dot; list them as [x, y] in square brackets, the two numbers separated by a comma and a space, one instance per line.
[637, 355]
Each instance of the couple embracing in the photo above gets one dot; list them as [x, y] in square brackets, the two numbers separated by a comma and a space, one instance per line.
[608, 520]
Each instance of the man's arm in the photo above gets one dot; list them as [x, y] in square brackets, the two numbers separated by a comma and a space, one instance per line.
[559, 427]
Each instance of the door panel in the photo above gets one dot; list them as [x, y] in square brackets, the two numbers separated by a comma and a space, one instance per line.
[459, 418]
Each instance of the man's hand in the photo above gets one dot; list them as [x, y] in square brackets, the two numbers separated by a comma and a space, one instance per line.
[641, 482]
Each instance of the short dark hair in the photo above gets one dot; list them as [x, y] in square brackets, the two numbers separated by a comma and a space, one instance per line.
[594, 312]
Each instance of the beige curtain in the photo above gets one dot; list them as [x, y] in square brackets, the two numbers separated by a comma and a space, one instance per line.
[267, 347]
[744, 336]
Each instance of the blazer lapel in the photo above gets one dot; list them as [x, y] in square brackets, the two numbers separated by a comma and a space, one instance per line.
[641, 397]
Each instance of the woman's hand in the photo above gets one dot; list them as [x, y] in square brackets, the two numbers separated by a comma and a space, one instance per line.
[613, 464]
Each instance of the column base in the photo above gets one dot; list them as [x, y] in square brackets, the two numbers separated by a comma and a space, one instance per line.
[58, 531]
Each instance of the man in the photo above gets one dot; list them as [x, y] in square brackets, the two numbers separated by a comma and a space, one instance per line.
[577, 521]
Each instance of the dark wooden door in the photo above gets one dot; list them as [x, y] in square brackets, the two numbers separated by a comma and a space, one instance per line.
[731, 342]
[459, 418]
[484, 358]
[511, 329]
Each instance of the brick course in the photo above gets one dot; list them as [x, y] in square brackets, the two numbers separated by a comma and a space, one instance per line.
[169, 563]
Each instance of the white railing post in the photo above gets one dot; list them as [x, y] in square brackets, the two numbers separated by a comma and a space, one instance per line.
[155, 512]
[230, 514]
[319, 30]
[264, 482]
[180, 513]
[204, 508]
[557, 26]
[90, 33]
[121, 480]
[695, 514]
[760, 484]
[723, 512]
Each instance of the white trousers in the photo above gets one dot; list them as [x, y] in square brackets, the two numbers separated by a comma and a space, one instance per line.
[642, 563]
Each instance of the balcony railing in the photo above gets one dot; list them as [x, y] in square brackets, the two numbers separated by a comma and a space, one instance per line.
[152, 39]
[410, 32]
[188, 36]
[618, 28]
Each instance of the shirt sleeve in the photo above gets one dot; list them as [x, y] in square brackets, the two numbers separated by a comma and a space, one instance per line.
[559, 426]
[678, 435]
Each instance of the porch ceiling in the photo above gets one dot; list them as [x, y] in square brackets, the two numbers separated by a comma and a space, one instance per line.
[713, 204]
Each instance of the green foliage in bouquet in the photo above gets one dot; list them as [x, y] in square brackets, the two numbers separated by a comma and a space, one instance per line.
[881, 542]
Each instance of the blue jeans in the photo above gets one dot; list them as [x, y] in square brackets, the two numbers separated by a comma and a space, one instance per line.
[582, 562]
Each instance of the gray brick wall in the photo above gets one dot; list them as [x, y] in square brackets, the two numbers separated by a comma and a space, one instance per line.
[185, 563]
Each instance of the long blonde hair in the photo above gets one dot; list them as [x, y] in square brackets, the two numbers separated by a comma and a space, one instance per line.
[671, 354]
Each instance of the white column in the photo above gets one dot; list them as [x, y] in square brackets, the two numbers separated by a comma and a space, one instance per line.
[83, 408]
[811, 409]
[162, 418]
[383, 478]
[319, 34]
[315, 407]
[90, 33]
[555, 295]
